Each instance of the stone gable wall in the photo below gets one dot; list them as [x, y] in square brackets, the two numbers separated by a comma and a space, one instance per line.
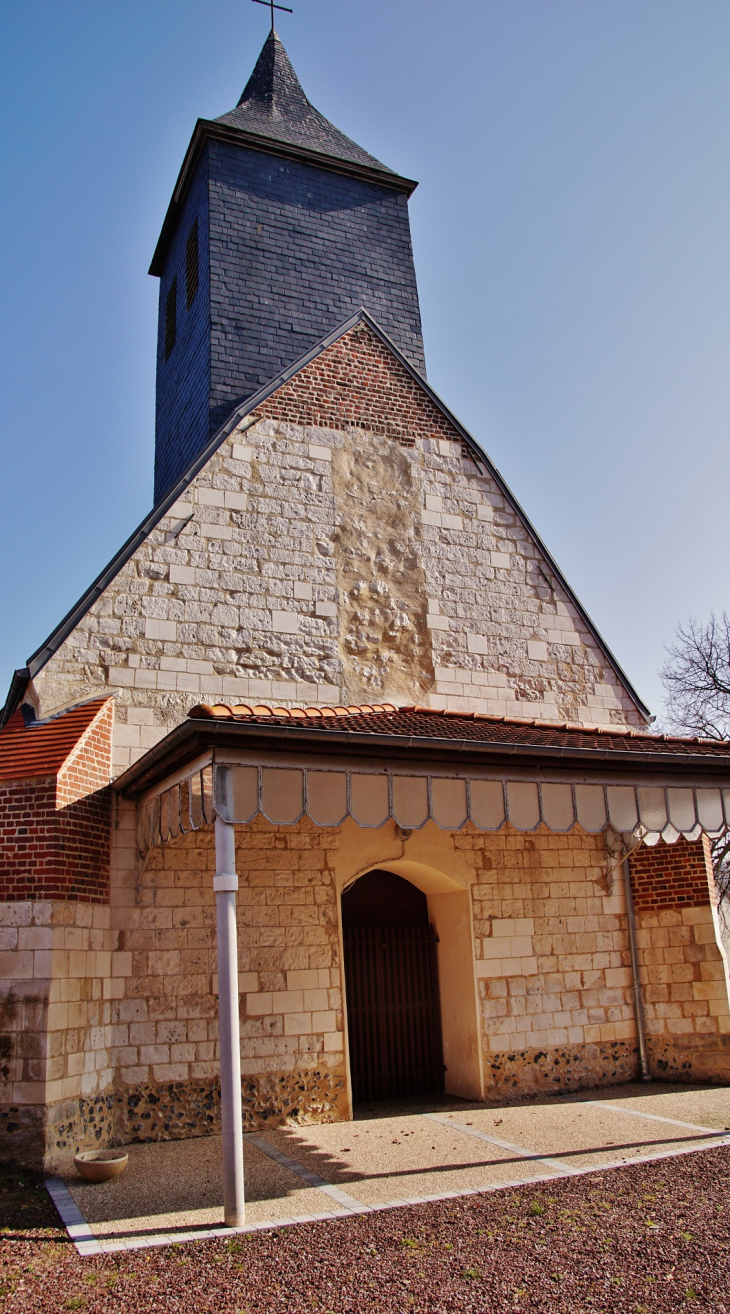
[353, 554]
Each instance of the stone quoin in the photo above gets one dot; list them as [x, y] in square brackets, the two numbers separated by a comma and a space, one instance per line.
[334, 668]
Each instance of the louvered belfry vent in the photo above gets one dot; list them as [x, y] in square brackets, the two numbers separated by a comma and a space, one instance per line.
[171, 318]
[191, 265]
[392, 990]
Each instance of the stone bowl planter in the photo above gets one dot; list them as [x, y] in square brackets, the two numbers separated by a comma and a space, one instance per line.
[100, 1165]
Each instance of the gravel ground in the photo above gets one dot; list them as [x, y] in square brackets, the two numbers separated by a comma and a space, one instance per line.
[645, 1238]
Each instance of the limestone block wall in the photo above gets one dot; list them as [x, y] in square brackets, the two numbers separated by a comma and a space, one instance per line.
[342, 546]
[552, 962]
[551, 965]
[56, 983]
[685, 986]
[164, 1016]
[109, 1026]
[554, 967]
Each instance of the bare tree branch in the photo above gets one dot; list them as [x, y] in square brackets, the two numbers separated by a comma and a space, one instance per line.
[696, 679]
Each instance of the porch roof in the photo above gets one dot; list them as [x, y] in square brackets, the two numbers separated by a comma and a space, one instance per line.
[420, 734]
[413, 765]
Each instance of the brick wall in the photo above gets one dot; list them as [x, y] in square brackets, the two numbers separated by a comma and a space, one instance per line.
[88, 768]
[55, 831]
[28, 857]
[358, 384]
[671, 875]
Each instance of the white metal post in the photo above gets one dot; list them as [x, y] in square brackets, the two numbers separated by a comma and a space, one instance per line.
[225, 884]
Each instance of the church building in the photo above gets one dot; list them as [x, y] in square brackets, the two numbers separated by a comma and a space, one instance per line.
[328, 790]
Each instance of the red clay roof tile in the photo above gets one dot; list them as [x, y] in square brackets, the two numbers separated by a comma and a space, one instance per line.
[437, 723]
[40, 748]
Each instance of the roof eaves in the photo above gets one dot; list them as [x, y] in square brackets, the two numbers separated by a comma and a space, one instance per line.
[16, 693]
[43, 748]
[190, 738]
[211, 129]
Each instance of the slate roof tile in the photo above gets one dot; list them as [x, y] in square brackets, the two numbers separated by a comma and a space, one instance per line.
[273, 105]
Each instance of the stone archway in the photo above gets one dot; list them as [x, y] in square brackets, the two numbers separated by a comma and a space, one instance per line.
[449, 912]
[392, 992]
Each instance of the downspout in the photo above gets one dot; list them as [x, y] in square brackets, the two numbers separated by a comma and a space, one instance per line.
[636, 985]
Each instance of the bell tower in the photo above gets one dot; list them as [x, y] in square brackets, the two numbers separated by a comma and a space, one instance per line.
[279, 228]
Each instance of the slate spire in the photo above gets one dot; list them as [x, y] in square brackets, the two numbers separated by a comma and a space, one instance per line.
[273, 105]
[280, 228]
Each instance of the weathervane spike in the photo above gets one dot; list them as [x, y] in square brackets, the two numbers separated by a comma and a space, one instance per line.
[270, 5]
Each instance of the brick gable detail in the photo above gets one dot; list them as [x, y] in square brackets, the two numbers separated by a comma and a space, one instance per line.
[55, 831]
[358, 384]
[88, 767]
[671, 876]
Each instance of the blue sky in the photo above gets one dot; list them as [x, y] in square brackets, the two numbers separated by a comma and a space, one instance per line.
[572, 241]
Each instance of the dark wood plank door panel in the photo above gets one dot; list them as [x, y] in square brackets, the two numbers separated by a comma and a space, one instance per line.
[393, 1011]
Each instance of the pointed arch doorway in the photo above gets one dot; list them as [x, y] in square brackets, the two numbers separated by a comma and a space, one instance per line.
[391, 978]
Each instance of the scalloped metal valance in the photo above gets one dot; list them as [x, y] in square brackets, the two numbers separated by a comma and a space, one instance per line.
[328, 796]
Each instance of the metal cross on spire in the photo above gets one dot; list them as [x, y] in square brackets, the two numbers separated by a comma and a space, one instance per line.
[270, 5]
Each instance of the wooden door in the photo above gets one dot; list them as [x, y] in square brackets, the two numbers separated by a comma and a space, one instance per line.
[392, 991]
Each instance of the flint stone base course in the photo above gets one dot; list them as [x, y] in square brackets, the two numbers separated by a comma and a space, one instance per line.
[572, 1068]
[192, 1108]
[32, 1136]
[691, 1058]
[564, 1069]
[44, 1137]
[168, 1112]
[316, 1096]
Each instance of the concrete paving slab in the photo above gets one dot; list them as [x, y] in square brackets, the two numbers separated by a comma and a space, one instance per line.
[377, 1160]
[392, 1152]
[173, 1186]
[704, 1106]
[576, 1133]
